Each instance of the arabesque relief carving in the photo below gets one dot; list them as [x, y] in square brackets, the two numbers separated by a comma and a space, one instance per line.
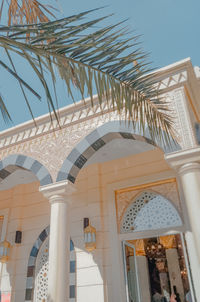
[52, 149]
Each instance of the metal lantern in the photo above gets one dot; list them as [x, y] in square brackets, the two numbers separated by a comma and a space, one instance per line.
[90, 238]
[4, 251]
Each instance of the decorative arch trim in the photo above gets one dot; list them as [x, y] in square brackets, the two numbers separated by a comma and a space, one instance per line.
[32, 265]
[32, 262]
[18, 161]
[95, 141]
[150, 211]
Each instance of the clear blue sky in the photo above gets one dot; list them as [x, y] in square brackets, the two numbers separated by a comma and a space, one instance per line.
[170, 29]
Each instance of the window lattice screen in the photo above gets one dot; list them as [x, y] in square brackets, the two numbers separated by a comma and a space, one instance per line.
[149, 211]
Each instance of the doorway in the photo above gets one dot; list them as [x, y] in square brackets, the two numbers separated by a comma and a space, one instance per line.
[155, 268]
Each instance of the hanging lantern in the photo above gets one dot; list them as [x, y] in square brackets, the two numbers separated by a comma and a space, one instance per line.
[155, 250]
[4, 251]
[90, 237]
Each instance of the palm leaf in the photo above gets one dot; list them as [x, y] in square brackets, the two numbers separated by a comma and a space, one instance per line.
[4, 111]
[94, 61]
[26, 11]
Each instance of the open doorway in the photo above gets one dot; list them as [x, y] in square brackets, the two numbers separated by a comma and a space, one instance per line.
[155, 268]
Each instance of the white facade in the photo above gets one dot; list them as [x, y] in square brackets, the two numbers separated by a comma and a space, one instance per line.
[98, 167]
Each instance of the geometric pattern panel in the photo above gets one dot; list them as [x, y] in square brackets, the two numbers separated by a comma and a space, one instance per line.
[38, 263]
[132, 211]
[95, 141]
[17, 161]
[41, 273]
[150, 211]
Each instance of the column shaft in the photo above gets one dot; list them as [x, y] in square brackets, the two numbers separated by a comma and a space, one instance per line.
[190, 179]
[59, 247]
[186, 163]
[193, 261]
[143, 276]
[174, 271]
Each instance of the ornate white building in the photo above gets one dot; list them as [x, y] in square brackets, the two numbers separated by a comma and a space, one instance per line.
[142, 198]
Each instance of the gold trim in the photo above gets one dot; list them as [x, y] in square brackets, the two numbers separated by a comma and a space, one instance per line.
[116, 209]
[191, 104]
[144, 186]
[1, 217]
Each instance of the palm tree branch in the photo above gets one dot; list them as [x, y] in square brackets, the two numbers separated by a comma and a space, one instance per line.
[4, 111]
[94, 60]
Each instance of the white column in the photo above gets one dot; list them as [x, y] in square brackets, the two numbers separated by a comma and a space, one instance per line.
[59, 244]
[189, 175]
[143, 277]
[193, 261]
[174, 271]
[187, 165]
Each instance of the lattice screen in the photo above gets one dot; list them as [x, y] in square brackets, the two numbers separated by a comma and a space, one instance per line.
[149, 211]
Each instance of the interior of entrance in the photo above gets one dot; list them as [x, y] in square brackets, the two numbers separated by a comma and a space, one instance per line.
[155, 269]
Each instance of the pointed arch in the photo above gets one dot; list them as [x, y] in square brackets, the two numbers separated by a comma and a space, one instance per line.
[95, 141]
[18, 161]
[150, 211]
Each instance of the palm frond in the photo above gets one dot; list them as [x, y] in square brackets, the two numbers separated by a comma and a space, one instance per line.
[4, 111]
[26, 11]
[106, 61]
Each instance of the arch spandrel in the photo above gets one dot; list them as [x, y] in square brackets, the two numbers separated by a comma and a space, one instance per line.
[52, 149]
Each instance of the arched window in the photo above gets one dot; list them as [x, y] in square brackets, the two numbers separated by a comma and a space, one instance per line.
[149, 211]
[38, 266]
[41, 273]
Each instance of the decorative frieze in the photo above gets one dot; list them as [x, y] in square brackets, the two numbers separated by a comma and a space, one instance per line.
[51, 149]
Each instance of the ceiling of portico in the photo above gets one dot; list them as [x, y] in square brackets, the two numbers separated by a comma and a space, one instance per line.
[118, 148]
[16, 178]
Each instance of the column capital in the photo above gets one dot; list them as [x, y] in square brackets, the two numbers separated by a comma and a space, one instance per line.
[56, 192]
[183, 158]
[189, 167]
